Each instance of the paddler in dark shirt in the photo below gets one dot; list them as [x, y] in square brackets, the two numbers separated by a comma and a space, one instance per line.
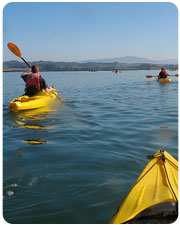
[34, 82]
[163, 74]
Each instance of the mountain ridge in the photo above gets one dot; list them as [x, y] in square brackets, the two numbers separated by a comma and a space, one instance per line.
[132, 59]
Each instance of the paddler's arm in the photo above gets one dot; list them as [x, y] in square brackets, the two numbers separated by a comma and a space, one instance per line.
[24, 75]
[43, 85]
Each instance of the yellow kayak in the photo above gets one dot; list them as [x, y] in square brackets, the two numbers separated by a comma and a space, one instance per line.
[153, 195]
[26, 103]
[163, 80]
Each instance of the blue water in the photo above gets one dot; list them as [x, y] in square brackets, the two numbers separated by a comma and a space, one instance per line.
[90, 150]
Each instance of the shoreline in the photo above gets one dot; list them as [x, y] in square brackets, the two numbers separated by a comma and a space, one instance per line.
[79, 70]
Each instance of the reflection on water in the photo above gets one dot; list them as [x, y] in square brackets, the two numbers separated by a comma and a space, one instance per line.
[18, 152]
[33, 119]
[34, 125]
[35, 114]
[30, 122]
[38, 141]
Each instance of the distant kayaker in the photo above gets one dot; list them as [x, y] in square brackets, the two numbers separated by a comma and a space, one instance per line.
[34, 82]
[163, 73]
[116, 71]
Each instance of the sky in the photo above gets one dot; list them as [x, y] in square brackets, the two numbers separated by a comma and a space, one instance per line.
[76, 31]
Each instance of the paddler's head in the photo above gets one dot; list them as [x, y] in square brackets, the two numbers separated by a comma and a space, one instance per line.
[162, 68]
[35, 69]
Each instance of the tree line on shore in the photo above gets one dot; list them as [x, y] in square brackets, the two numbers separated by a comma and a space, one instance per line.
[87, 66]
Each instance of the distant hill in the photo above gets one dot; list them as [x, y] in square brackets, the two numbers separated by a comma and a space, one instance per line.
[133, 59]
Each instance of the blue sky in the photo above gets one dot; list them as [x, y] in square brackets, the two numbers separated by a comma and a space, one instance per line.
[79, 31]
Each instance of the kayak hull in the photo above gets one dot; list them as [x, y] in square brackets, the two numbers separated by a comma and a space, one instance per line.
[28, 103]
[163, 80]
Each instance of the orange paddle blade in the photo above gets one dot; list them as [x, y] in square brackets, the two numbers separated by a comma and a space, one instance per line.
[149, 76]
[14, 49]
[177, 75]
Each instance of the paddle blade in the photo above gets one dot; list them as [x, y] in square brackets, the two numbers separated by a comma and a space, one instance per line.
[149, 76]
[14, 49]
[177, 75]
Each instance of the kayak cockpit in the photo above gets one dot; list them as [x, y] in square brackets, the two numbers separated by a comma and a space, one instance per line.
[162, 213]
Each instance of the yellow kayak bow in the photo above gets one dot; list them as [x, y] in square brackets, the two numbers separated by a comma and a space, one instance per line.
[158, 183]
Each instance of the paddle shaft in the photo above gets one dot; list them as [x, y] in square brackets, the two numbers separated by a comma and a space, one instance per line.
[176, 75]
[25, 62]
[61, 100]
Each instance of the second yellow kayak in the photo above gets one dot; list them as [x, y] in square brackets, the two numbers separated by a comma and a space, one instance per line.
[163, 80]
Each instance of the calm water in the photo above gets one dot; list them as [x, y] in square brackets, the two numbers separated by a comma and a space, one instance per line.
[90, 151]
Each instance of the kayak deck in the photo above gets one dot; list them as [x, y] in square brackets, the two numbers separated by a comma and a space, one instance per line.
[27, 103]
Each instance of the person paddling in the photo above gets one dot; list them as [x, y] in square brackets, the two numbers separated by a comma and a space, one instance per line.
[163, 74]
[34, 82]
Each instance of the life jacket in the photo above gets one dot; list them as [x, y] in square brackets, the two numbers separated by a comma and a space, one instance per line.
[164, 72]
[33, 80]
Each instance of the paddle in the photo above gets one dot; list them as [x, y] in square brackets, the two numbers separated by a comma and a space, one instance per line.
[16, 51]
[61, 100]
[150, 76]
[176, 75]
